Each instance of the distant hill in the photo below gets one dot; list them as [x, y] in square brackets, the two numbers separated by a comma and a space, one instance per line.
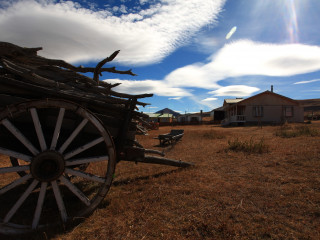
[167, 110]
[310, 104]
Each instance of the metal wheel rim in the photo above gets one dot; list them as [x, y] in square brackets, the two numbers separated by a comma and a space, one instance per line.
[71, 162]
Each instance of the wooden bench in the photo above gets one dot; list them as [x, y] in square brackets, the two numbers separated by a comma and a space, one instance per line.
[169, 138]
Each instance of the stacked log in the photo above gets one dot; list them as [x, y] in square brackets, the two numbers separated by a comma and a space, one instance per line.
[24, 76]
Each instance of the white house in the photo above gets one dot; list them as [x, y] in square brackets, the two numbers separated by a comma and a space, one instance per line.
[265, 107]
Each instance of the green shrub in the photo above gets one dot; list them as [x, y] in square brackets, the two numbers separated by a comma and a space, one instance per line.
[289, 132]
[248, 146]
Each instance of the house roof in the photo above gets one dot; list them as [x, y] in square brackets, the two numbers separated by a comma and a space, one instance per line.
[270, 93]
[241, 100]
[169, 111]
[230, 101]
[310, 104]
[159, 115]
[153, 114]
[218, 109]
[204, 114]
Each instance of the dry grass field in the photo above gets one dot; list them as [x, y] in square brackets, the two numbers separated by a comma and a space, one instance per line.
[247, 183]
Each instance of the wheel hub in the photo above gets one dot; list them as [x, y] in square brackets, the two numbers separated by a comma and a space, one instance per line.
[47, 166]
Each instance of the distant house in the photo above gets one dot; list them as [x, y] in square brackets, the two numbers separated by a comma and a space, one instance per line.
[266, 107]
[311, 108]
[194, 117]
[160, 118]
[217, 115]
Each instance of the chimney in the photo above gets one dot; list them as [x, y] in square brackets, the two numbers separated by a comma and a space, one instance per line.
[271, 88]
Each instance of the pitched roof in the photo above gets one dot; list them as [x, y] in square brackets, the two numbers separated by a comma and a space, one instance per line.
[159, 115]
[168, 110]
[217, 109]
[196, 114]
[310, 104]
[271, 93]
[232, 101]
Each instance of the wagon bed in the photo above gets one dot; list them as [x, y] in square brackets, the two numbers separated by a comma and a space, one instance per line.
[61, 135]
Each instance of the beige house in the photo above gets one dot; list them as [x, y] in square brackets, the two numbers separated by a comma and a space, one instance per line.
[194, 117]
[266, 107]
[160, 118]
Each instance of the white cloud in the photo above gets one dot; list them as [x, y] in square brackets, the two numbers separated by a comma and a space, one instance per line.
[247, 58]
[175, 98]
[309, 81]
[238, 59]
[68, 31]
[235, 91]
[196, 75]
[149, 86]
[142, 2]
[209, 99]
[206, 43]
[123, 9]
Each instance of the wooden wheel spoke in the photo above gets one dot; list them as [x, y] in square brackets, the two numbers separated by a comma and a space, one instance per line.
[60, 203]
[20, 201]
[55, 144]
[75, 190]
[16, 132]
[85, 175]
[14, 154]
[38, 128]
[14, 184]
[83, 148]
[14, 169]
[73, 135]
[86, 160]
[38, 211]
[57, 129]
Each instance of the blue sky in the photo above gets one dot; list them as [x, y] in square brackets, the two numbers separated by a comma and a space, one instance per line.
[191, 54]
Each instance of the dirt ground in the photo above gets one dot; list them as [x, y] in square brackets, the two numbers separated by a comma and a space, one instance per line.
[227, 194]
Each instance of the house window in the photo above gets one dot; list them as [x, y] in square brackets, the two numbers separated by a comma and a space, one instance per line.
[257, 111]
[288, 111]
[194, 119]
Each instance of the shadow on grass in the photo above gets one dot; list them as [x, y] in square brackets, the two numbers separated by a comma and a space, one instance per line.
[167, 147]
[58, 229]
[157, 175]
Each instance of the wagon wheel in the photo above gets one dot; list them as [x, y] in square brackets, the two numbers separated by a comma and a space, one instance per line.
[57, 164]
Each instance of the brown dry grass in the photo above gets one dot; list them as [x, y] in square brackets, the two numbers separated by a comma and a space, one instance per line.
[226, 195]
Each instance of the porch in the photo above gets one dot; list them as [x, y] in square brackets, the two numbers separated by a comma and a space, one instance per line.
[233, 119]
[234, 114]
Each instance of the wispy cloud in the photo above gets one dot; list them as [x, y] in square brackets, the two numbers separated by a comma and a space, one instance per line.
[309, 81]
[71, 32]
[238, 59]
[209, 99]
[235, 91]
[248, 58]
[175, 98]
[149, 86]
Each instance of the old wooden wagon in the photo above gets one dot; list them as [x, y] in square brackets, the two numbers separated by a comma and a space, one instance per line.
[61, 135]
